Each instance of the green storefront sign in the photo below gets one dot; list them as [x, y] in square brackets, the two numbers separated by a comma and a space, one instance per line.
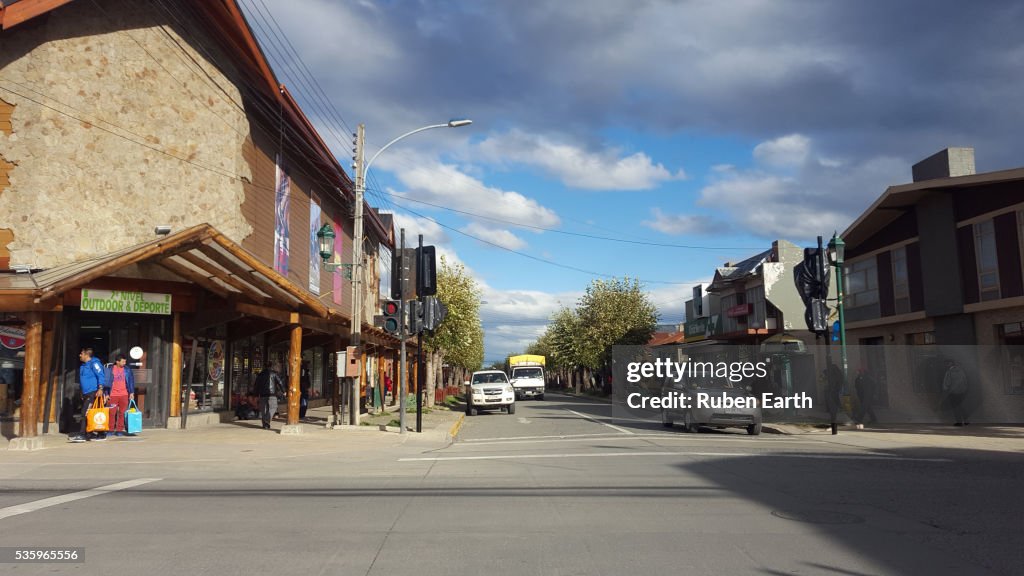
[702, 328]
[125, 302]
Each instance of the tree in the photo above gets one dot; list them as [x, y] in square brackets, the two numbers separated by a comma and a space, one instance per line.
[459, 340]
[613, 312]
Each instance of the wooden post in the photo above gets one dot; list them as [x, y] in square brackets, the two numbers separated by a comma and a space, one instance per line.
[30, 383]
[176, 367]
[295, 365]
[45, 371]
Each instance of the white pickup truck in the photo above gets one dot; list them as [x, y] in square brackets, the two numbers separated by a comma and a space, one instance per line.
[527, 374]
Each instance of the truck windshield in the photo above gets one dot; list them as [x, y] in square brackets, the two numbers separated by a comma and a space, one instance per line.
[527, 373]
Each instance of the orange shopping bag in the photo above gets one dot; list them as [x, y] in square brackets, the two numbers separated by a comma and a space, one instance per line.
[98, 417]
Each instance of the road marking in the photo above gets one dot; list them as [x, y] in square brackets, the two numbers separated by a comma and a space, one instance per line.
[612, 426]
[533, 437]
[619, 438]
[524, 421]
[63, 499]
[677, 454]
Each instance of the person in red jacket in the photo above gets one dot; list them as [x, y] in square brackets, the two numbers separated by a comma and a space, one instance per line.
[120, 388]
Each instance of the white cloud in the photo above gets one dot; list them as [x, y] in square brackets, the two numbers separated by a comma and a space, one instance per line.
[576, 167]
[820, 196]
[499, 236]
[786, 151]
[432, 181]
[432, 232]
[515, 318]
[678, 224]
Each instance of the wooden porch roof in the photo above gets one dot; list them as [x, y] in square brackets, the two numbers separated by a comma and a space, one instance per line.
[200, 255]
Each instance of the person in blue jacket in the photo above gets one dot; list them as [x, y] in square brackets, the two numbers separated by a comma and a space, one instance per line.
[92, 380]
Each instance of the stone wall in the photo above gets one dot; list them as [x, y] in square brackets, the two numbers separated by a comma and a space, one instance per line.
[121, 123]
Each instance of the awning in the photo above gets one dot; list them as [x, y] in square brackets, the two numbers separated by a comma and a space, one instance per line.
[200, 255]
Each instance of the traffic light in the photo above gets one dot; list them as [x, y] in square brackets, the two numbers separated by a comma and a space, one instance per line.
[415, 308]
[390, 320]
[426, 271]
[812, 279]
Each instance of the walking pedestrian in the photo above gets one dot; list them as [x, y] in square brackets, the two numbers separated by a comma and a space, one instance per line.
[304, 386]
[268, 386]
[120, 388]
[954, 389]
[91, 383]
[865, 385]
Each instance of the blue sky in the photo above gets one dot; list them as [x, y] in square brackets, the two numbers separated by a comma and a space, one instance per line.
[720, 126]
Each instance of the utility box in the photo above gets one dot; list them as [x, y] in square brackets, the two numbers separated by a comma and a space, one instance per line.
[347, 362]
[352, 362]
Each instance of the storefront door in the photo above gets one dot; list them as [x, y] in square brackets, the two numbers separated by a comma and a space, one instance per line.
[110, 335]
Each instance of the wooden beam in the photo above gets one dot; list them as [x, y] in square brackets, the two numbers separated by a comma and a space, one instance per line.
[176, 367]
[247, 290]
[318, 308]
[27, 302]
[192, 275]
[275, 314]
[25, 10]
[275, 292]
[295, 366]
[171, 245]
[31, 376]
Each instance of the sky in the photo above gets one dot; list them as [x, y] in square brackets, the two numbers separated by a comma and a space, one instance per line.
[642, 138]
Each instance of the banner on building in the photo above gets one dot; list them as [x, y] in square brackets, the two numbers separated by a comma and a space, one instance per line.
[281, 208]
[314, 246]
[125, 302]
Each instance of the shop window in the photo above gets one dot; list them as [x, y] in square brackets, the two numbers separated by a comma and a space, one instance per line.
[900, 280]
[927, 367]
[1012, 340]
[988, 263]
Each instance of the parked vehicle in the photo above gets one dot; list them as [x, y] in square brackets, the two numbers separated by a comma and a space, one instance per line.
[490, 390]
[728, 405]
[526, 372]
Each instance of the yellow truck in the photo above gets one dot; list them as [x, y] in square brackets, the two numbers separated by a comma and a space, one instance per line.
[526, 371]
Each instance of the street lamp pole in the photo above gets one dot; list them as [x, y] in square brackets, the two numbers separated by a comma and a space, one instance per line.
[360, 170]
[837, 249]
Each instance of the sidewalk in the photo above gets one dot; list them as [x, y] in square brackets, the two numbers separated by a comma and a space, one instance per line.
[999, 438]
[224, 439]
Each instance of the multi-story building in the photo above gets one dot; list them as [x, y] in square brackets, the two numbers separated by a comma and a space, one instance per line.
[160, 194]
[934, 272]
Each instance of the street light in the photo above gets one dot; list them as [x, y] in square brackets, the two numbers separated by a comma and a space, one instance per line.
[836, 255]
[361, 170]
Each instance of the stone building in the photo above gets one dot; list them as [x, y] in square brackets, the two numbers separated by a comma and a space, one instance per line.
[121, 120]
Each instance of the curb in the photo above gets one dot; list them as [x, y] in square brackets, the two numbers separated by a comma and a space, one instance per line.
[454, 430]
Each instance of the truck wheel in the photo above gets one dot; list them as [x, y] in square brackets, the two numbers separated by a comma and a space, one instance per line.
[754, 429]
[540, 397]
[512, 408]
[666, 420]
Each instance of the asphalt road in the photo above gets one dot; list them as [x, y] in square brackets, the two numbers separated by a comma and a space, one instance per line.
[556, 488]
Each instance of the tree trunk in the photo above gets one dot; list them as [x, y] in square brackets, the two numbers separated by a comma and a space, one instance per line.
[439, 370]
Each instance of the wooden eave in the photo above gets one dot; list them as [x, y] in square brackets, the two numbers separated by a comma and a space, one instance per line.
[200, 255]
[15, 13]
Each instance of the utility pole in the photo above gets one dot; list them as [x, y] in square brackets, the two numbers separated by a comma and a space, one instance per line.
[401, 337]
[420, 373]
[357, 272]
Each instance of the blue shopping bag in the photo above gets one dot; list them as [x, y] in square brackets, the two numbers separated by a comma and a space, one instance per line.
[133, 418]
